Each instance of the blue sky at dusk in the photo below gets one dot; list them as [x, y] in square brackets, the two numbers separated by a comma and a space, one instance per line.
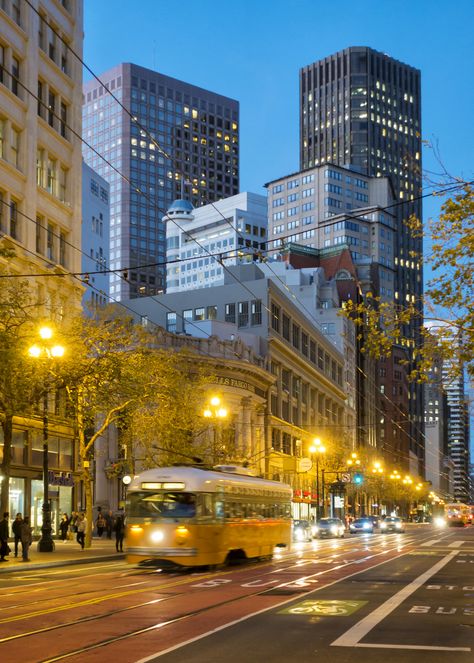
[252, 52]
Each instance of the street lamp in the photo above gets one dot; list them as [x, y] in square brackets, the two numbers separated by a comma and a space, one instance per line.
[217, 412]
[316, 449]
[354, 462]
[46, 351]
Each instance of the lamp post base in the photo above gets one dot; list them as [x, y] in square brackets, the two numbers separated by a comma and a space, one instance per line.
[46, 545]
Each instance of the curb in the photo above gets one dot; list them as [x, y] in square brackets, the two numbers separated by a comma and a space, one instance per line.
[68, 562]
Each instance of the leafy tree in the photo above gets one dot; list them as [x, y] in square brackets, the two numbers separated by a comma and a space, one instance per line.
[20, 382]
[165, 426]
[116, 376]
[449, 314]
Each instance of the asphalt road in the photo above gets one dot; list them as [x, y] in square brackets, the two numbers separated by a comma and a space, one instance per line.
[392, 598]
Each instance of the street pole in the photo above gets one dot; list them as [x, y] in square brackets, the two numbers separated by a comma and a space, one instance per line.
[322, 492]
[317, 487]
[46, 543]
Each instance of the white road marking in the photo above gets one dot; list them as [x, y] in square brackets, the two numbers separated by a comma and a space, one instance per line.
[430, 543]
[456, 544]
[354, 635]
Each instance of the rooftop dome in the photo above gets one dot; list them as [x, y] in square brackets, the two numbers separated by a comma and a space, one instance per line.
[181, 206]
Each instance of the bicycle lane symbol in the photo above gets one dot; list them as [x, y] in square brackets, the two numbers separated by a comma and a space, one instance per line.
[324, 608]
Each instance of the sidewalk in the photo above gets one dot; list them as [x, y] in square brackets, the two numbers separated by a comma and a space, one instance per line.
[66, 553]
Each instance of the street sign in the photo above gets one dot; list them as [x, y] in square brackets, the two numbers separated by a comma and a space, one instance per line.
[305, 464]
[346, 477]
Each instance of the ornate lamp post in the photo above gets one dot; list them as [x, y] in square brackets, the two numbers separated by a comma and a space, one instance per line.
[46, 351]
[216, 412]
[353, 463]
[317, 449]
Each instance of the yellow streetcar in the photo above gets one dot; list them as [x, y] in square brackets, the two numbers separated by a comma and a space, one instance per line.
[193, 516]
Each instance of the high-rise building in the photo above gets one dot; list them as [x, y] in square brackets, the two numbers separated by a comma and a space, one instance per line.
[362, 109]
[201, 242]
[95, 237]
[40, 217]
[174, 134]
[458, 430]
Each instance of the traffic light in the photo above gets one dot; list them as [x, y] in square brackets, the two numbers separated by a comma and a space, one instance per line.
[358, 479]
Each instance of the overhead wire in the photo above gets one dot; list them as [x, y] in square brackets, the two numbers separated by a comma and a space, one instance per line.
[162, 151]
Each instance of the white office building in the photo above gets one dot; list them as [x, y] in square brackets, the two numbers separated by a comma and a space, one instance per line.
[201, 241]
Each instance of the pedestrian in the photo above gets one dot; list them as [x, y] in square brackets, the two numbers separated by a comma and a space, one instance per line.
[64, 526]
[81, 525]
[26, 534]
[109, 519]
[16, 525]
[101, 524]
[4, 547]
[119, 532]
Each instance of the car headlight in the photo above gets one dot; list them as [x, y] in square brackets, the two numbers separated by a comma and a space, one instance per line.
[299, 535]
[315, 530]
[383, 525]
[366, 526]
[333, 529]
[398, 525]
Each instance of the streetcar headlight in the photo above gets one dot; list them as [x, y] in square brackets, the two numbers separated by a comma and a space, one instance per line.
[439, 522]
[157, 536]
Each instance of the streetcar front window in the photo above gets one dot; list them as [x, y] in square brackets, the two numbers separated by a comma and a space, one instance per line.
[158, 505]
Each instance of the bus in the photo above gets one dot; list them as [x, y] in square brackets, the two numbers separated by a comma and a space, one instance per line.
[189, 516]
[457, 514]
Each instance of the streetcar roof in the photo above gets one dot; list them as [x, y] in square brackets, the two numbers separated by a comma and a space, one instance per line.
[196, 479]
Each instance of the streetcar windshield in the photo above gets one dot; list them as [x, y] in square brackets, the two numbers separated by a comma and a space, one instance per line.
[161, 505]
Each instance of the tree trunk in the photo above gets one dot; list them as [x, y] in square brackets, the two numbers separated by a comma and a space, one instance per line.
[87, 478]
[7, 425]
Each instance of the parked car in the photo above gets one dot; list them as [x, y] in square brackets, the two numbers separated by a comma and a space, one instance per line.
[392, 524]
[361, 525]
[327, 527]
[301, 531]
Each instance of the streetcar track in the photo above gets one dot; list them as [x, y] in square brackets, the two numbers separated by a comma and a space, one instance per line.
[182, 617]
[300, 586]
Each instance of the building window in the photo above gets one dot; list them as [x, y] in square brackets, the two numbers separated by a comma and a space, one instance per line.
[50, 242]
[187, 316]
[304, 343]
[296, 337]
[230, 313]
[14, 220]
[15, 76]
[212, 312]
[199, 313]
[276, 318]
[256, 312]
[286, 327]
[171, 322]
[243, 314]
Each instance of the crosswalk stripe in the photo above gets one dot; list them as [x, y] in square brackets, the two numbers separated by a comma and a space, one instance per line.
[430, 543]
[456, 544]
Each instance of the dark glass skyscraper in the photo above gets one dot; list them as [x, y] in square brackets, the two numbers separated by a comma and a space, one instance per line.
[191, 138]
[362, 109]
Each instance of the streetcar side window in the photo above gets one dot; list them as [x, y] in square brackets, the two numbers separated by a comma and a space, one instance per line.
[204, 505]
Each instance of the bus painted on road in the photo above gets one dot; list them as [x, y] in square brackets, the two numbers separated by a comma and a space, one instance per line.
[195, 516]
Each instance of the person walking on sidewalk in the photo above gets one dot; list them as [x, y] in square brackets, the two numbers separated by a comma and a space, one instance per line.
[109, 519]
[16, 526]
[81, 524]
[64, 526]
[101, 524]
[119, 532]
[26, 535]
[4, 547]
